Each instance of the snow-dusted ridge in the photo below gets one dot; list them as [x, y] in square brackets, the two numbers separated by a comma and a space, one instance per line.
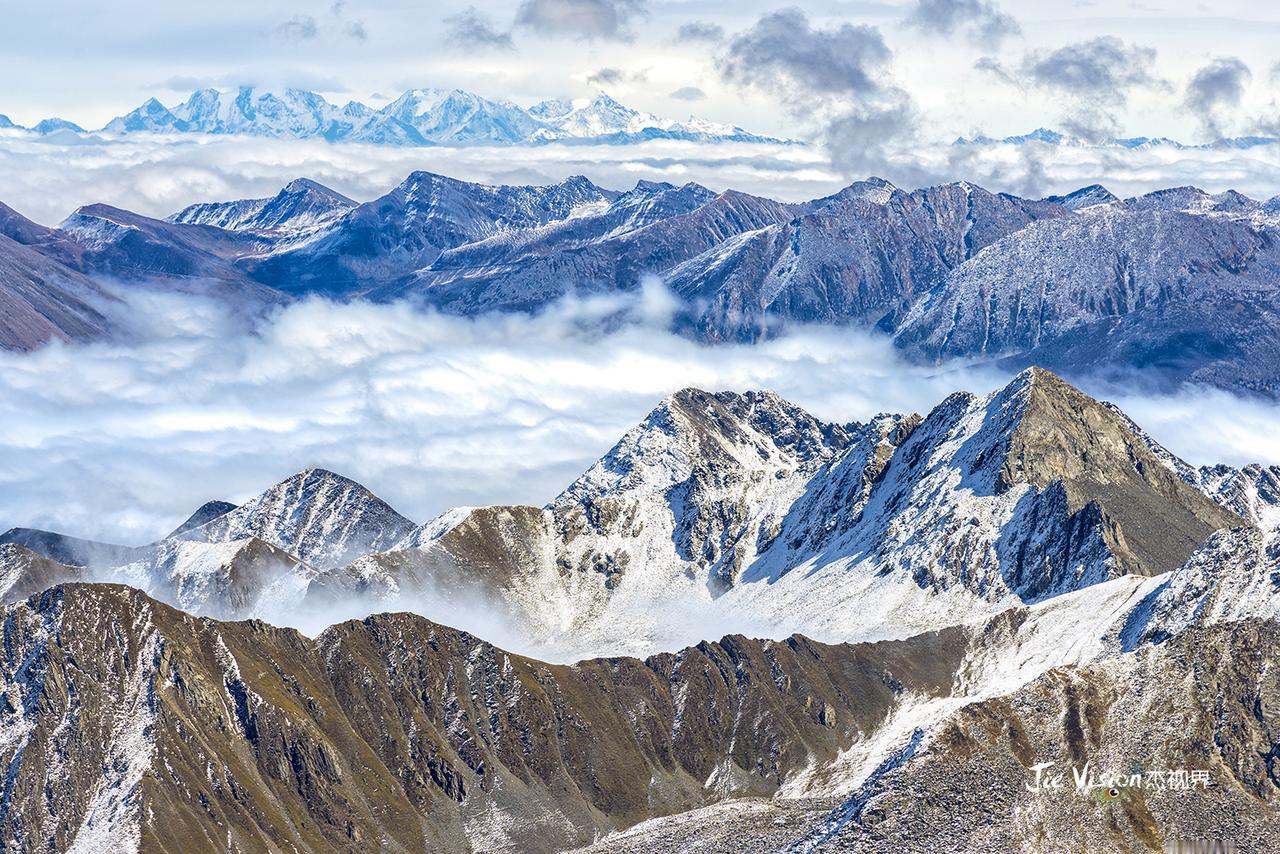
[1038, 558]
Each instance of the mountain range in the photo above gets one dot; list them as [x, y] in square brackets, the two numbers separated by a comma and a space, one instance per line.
[1046, 136]
[419, 117]
[953, 599]
[1178, 285]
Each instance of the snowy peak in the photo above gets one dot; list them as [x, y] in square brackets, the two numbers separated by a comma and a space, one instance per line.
[419, 117]
[324, 518]
[695, 428]
[301, 207]
[1085, 197]
[1194, 200]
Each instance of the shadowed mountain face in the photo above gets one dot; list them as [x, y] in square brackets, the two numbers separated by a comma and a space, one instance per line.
[1178, 284]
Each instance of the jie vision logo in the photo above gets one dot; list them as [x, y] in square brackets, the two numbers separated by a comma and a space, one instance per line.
[1200, 846]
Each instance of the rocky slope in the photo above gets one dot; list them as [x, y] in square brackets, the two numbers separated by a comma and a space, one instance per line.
[394, 731]
[385, 240]
[1178, 282]
[1057, 586]
[43, 300]
[719, 506]
[182, 733]
[724, 507]
[1178, 285]
[863, 255]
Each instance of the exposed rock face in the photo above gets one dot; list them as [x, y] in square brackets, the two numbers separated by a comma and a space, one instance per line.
[399, 733]
[1153, 519]
[643, 233]
[862, 255]
[1204, 701]
[24, 573]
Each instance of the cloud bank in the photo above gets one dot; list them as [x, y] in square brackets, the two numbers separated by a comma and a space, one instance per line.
[121, 443]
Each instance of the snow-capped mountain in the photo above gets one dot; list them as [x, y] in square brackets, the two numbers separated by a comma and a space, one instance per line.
[419, 117]
[1046, 136]
[1178, 280]
[728, 504]
[382, 241]
[1179, 284]
[303, 206]
[323, 518]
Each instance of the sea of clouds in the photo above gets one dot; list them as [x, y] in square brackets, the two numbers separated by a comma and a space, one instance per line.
[45, 178]
[120, 442]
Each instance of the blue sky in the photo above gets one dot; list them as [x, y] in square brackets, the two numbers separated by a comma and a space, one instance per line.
[958, 66]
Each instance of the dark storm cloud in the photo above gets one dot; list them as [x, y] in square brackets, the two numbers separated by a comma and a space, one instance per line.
[981, 20]
[1216, 87]
[584, 19]
[473, 29]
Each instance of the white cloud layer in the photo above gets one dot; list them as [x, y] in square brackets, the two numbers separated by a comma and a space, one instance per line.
[46, 180]
[122, 442]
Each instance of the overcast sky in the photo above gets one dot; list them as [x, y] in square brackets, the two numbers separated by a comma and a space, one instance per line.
[933, 68]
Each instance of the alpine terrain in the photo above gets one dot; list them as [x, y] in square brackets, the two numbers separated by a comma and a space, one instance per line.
[1014, 623]
[1176, 286]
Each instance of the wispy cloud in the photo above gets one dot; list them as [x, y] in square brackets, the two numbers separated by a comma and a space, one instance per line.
[1215, 88]
[699, 31]
[584, 19]
[298, 28]
[474, 29]
[981, 20]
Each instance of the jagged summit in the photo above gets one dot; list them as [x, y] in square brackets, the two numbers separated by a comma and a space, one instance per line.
[1064, 436]
[301, 207]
